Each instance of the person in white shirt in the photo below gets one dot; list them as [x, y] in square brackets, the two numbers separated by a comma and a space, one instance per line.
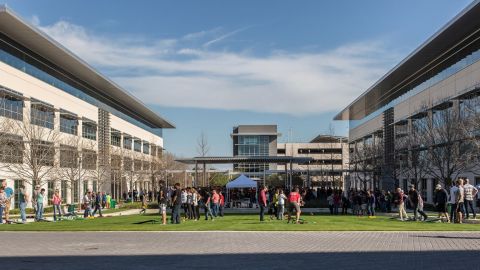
[281, 205]
[453, 202]
[470, 193]
[87, 204]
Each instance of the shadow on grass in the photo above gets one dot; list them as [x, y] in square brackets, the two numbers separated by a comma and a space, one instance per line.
[329, 260]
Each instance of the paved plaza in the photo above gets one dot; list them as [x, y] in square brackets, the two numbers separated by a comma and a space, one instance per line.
[240, 250]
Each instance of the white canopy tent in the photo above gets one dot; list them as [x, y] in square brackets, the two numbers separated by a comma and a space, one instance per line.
[240, 182]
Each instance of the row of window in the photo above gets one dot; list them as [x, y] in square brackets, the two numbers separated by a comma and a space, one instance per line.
[129, 165]
[138, 145]
[43, 114]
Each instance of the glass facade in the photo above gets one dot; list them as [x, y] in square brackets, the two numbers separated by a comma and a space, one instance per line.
[68, 123]
[42, 115]
[146, 148]
[127, 142]
[253, 145]
[11, 104]
[115, 137]
[444, 74]
[11, 54]
[137, 145]
[89, 131]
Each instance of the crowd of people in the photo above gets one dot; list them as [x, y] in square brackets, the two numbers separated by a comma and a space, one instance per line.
[454, 205]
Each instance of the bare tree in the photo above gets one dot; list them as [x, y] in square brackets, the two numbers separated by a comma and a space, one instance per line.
[413, 153]
[450, 152]
[39, 140]
[70, 169]
[202, 149]
[361, 163]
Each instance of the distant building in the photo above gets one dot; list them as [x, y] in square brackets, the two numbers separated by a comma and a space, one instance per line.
[254, 140]
[330, 160]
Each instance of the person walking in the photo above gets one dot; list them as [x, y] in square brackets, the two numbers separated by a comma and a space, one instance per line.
[9, 195]
[196, 204]
[176, 204]
[401, 204]
[470, 194]
[190, 214]
[371, 201]
[453, 203]
[3, 202]
[23, 200]
[414, 197]
[56, 201]
[281, 204]
[221, 204]
[144, 205]
[459, 201]
[331, 203]
[440, 200]
[206, 205]
[294, 200]
[216, 202]
[40, 200]
[87, 204]
[108, 200]
[262, 200]
[98, 204]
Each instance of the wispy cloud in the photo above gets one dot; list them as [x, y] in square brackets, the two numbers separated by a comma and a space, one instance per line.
[222, 37]
[176, 72]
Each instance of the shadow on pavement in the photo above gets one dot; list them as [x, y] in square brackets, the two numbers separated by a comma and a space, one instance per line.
[335, 260]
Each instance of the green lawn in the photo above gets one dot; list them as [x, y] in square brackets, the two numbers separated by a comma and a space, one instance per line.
[242, 223]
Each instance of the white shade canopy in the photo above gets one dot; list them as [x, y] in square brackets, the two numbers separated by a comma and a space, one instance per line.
[242, 182]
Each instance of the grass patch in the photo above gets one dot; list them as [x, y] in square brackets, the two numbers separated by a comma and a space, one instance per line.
[236, 222]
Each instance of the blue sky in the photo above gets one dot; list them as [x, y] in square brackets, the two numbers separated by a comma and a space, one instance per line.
[210, 65]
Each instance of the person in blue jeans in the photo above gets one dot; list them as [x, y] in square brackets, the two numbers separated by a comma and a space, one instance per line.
[177, 204]
[371, 203]
[22, 203]
[40, 199]
[3, 203]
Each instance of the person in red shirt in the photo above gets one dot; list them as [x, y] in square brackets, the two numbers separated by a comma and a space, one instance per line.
[222, 203]
[294, 200]
[263, 202]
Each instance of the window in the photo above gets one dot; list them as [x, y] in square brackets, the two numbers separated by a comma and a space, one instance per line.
[50, 188]
[127, 142]
[115, 137]
[154, 150]
[85, 186]
[320, 151]
[89, 159]
[68, 156]
[146, 148]
[11, 149]
[42, 114]
[127, 164]
[17, 184]
[95, 186]
[137, 145]
[43, 153]
[75, 191]
[89, 130]
[146, 165]
[159, 152]
[11, 104]
[116, 162]
[137, 165]
[68, 122]
[281, 151]
[63, 187]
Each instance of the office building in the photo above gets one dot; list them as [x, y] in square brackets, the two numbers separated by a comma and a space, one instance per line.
[64, 125]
